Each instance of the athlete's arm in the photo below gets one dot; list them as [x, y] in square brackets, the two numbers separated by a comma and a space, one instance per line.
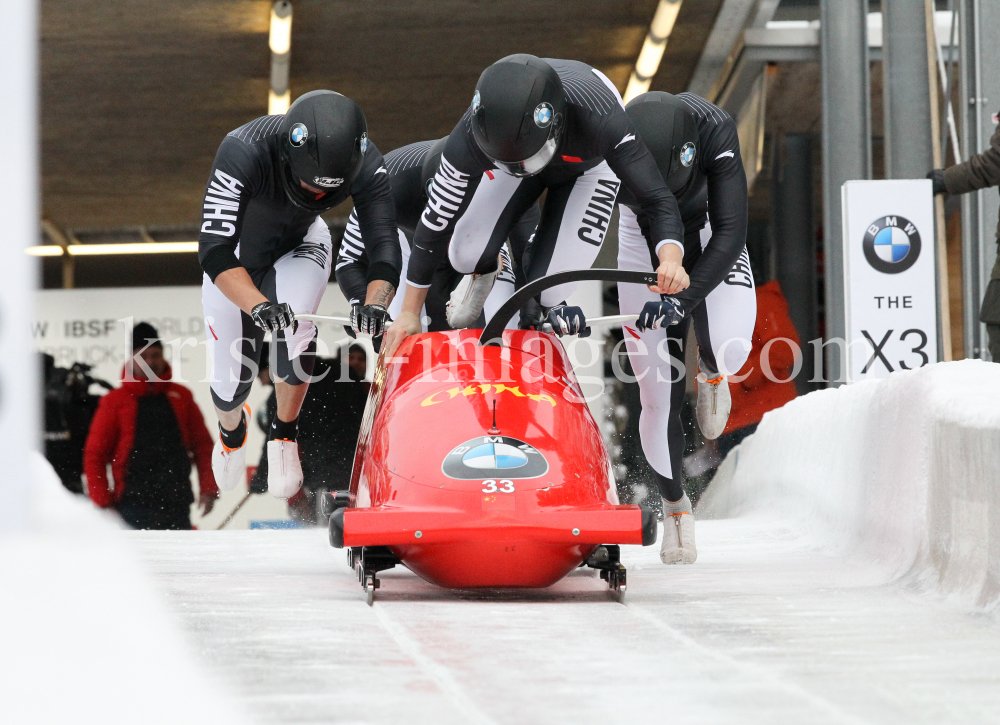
[408, 322]
[352, 263]
[635, 166]
[233, 182]
[239, 289]
[376, 215]
[455, 183]
[671, 277]
[727, 210]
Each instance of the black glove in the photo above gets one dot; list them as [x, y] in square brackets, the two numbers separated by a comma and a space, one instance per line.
[369, 319]
[273, 316]
[937, 177]
[567, 320]
[656, 315]
[531, 317]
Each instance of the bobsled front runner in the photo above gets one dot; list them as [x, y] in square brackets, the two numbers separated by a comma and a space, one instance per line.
[481, 466]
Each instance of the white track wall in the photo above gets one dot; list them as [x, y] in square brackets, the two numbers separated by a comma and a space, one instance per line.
[903, 471]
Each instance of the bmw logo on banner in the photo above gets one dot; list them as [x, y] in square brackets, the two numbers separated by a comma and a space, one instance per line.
[493, 457]
[892, 244]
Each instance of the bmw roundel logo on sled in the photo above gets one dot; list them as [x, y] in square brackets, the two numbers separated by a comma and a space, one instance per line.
[891, 244]
[487, 456]
[298, 134]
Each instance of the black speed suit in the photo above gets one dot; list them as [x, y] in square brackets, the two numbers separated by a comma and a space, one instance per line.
[720, 299]
[473, 206]
[405, 174]
[249, 221]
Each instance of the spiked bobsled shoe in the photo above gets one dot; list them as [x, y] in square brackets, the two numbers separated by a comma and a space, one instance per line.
[678, 545]
[466, 302]
[284, 470]
[229, 465]
[714, 404]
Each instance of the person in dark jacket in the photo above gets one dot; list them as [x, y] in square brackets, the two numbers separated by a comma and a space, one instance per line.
[149, 430]
[328, 430]
[979, 172]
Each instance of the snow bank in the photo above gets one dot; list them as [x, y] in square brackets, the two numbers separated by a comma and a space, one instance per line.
[904, 471]
[84, 636]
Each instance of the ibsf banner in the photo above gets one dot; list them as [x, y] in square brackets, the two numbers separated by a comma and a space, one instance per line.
[889, 273]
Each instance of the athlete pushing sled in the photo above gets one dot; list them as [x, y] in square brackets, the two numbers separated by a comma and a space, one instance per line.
[266, 255]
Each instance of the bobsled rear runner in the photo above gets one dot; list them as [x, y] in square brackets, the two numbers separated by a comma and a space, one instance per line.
[481, 466]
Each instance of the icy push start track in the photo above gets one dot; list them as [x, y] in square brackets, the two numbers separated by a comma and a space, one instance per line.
[848, 572]
[759, 630]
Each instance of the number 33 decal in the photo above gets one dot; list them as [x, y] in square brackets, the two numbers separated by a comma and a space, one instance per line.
[505, 486]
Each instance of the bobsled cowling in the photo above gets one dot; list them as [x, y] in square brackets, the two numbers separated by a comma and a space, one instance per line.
[481, 466]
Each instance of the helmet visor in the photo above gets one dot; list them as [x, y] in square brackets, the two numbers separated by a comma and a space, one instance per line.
[534, 163]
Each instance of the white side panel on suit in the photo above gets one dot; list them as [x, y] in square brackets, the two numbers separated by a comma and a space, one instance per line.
[578, 218]
[475, 228]
[731, 312]
[396, 306]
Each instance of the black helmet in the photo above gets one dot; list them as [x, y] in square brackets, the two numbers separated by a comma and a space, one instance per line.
[431, 164]
[670, 131]
[518, 114]
[323, 138]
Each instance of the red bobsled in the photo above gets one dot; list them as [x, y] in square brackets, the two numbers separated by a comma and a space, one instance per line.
[481, 466]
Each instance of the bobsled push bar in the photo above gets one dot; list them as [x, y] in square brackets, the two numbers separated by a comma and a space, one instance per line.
[491, 335]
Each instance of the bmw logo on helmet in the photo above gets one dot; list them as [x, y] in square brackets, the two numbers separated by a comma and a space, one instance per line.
[543, 115]
[687, 154]
[891, 244]
[488, 456]
[298, 134]
[364, 143]
[475, 102]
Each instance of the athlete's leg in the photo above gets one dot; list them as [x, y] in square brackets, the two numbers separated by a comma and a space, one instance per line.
[661, 381]
[723, 326]
[724, 322]
[503, 288]
[573, 225]
[234, 346]
[661, 393]
[299, 278]
[497, 205]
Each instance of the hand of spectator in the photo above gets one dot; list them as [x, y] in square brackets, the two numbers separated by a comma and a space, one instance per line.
[207, 502]
[937, 179]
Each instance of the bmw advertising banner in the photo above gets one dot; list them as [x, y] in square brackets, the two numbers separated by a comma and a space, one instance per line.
[889, 271]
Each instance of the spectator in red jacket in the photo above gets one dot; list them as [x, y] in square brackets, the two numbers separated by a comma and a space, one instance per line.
[149, 430]
[757, 391]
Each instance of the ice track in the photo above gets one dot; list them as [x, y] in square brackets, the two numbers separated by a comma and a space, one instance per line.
[763, 629]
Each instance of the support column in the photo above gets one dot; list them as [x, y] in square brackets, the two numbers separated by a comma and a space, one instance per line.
[19, 392]
[846, 147]
[906, 90]
[795, 244]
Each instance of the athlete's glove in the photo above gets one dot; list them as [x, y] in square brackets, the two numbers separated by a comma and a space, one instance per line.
[937, 180]
[369, 319]
[567, 320]
[273, 316]
[656, 315]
